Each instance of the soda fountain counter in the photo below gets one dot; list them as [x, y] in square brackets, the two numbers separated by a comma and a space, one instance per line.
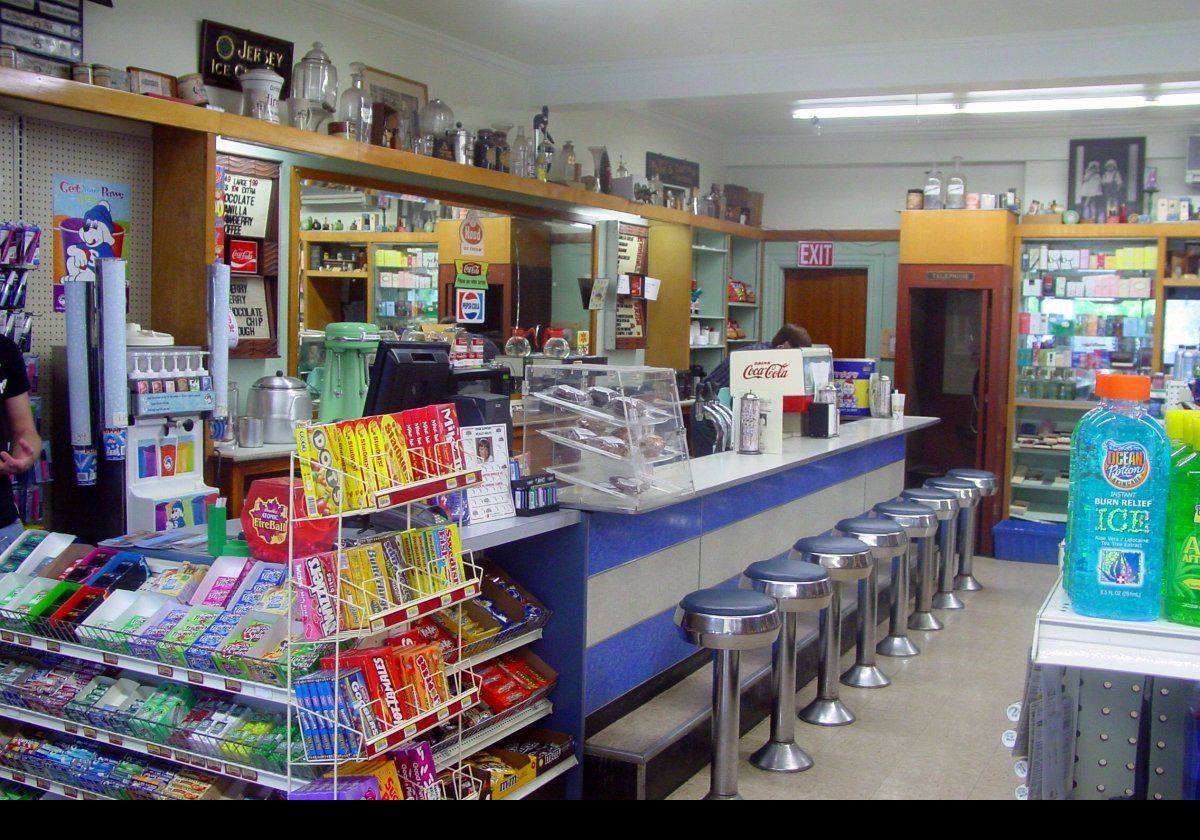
[613, 578]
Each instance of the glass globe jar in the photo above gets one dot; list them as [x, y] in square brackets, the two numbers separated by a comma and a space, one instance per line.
[557, 348]
[314, 89]
[518, 345]
[412, 334]
[435, 119]
[356, 106]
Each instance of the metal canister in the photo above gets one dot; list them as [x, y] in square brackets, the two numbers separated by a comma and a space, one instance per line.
[82, 73]
[8, 55]
[749, 432]
[464, 146]
[880, 390]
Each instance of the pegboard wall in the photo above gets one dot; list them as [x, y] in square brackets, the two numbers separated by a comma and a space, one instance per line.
[32, 152]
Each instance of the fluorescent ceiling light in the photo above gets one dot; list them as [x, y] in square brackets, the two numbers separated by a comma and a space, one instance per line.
[835, 112]
[1170, 99]
[1030, 106]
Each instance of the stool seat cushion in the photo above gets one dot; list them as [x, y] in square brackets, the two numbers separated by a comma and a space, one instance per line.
[784, 570]
[868, 525]
[972, 475]
[949, 483]
[732, 603]
[933, 494]
[902, 508]
[830, 545]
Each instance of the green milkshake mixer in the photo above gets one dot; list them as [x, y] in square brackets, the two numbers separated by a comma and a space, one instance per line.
[343, 381]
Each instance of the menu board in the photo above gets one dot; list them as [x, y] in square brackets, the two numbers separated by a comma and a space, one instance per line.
[632, 246]
[630, 333]
[247, 205]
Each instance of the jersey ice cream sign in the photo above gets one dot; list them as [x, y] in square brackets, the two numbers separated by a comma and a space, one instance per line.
[470, 235]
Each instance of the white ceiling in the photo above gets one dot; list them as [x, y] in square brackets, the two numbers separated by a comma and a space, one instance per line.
[735, 68]
[563, 32]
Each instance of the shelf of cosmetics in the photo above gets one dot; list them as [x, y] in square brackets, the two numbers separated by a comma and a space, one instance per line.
[1046, 257]
[20, 249]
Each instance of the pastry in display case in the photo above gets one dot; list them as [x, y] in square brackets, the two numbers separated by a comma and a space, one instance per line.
[612, 436]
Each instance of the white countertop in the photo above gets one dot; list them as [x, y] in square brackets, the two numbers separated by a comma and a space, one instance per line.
[727, 469]
[231, 452]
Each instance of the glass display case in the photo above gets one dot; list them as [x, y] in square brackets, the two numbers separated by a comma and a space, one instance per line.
[612, 436]
[1086, 306]
[405, 291]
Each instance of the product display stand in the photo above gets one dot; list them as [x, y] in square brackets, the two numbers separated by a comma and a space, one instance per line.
[1105, 704]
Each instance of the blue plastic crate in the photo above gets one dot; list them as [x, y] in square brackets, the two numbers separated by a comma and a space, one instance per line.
[1028, 542]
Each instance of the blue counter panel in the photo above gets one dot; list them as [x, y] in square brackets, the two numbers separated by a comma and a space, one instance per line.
[617, 538]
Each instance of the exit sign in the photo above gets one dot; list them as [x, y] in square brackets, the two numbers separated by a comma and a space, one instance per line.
[815, 255]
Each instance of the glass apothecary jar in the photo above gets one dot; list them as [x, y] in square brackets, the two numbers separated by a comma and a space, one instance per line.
[612, 436]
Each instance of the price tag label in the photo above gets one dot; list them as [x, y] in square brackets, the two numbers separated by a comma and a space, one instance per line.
[43, 784]
[88, 732]
[109, 658]
[24, 640]
[233, 685]
[447, 599]
[195, 677]
[443, 714]
[412, 612]
[250, 775]
[53, 647]
[215, 766]
[410, 730]
[166, 671]
[230, 770]
[18, 777]
[1021, 768]
[116, 740]
[6, 636]
[451, 483]
[1009, 738]
[71, 729]
[155, 750]
[71, 793]
[1014, 712]
[472, 591]
[90, 797]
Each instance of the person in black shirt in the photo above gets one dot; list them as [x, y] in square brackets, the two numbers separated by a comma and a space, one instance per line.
[789, 337]
[20, 443]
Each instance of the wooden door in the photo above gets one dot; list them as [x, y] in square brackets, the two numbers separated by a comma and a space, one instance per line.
[831, 303]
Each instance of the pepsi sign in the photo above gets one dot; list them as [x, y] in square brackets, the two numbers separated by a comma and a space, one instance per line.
[468, 306]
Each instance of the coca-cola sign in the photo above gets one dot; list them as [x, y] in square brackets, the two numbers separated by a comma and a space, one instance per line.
[766, 370]
[243, 256]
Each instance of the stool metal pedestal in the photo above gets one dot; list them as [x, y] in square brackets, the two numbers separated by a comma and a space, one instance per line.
[968, 496]
[796, 587]
[727, 621]
[887, 541]
[846, 559]
[920, 523]
[988, 486]
[945, 506]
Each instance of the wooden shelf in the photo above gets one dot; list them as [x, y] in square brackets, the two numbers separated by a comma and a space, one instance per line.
[349, 275]
[409, 168]
[1065, 405]
[1150, 230]
[1180, 283]
[370, 237]
[743, 305]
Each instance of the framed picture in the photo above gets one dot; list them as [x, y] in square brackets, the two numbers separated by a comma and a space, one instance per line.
[1106, 177]
[404, 96]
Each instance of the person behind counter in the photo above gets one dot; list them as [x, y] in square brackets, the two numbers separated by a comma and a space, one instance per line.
[20, 444]
[790, 337]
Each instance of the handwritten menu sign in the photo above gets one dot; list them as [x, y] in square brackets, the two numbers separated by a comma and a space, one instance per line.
[247, 205]
[632, 246]
[248, 304]
[226, 51]
[674, 171]
[630, 333]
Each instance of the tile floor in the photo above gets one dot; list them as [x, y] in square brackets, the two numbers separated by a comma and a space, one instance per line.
[935, 732]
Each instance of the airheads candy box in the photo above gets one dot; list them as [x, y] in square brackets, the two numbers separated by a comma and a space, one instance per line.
[267, 514]
[853, 380]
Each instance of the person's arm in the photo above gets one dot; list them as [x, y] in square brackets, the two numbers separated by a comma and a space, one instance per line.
[26, 442]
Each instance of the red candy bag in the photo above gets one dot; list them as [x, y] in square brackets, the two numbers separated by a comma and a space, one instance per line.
[267, 514]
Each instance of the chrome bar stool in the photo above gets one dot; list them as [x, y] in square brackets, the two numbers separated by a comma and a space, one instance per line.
[796, 587]
[920, 523]
[968, 521]
[727, 621]
[846, 559]
[945, 506]
[887, 541]
[968, 496]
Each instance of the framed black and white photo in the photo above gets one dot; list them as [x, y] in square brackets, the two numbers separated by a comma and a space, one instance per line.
[1106, 177]
[401, 95]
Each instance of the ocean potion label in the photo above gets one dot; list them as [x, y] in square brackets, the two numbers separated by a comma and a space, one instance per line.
[1126, 465]
[1191, 554]
[1121, 567]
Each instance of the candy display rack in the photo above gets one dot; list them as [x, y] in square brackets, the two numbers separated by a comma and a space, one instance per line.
[613, 437]
[276, 742]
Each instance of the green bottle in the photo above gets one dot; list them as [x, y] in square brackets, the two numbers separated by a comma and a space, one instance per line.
[1181, 575]
[1177, 432]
